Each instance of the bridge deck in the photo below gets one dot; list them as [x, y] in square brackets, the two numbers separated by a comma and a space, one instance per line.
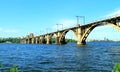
[105, 20]
[117, 19]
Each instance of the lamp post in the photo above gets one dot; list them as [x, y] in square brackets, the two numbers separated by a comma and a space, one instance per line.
[83, 17]
[58, 26]
[61, 25]
[77, 20]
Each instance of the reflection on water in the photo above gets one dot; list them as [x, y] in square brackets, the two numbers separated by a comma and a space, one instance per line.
[94, 57]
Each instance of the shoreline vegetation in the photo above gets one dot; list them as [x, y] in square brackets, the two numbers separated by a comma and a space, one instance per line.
[116, 67]
[17, 40]
[14, 68]
[10, 40]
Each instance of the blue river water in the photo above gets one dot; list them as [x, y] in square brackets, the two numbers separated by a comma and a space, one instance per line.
[93, 57]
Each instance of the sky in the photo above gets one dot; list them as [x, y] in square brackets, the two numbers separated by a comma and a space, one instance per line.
[21, 17]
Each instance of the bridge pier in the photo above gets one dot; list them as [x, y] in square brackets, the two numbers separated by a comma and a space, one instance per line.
[27, 41]
[42, 40]
[57, 40]
[30, 40]
[33, 40]
[62, 41]
[48, 38]
[80, 33]
[79, 43]
[39, 40]
[36, 40]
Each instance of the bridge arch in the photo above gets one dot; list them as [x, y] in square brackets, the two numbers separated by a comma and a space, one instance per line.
[89, 30]
[62, 37]
[31, 35]
[29, 38]
[51, 38]
[53, 34]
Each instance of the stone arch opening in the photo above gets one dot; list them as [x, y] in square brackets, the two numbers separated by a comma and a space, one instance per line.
[52, 38]
[90, 29]
[68, 36]
[42, 39]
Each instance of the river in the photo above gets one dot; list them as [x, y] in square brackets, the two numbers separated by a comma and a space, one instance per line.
[93, 57]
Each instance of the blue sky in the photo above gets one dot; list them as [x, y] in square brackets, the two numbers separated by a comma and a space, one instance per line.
[21, 17]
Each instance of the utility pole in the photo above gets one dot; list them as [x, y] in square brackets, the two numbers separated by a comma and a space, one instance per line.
[61, 25]
[77, 20]
[83, 17]
[57, 27]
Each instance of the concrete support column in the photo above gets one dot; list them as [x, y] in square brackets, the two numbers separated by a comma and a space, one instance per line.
[33, 41]
[39, 40]
[36, 40]
[79, 36]
[58, 38]
[62, 41]
[42, 40]
[28, 41]
[48, 39]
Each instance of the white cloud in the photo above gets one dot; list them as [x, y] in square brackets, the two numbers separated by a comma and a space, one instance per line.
[67, 23]
[113, 14]
[8, 30]
[11, 31]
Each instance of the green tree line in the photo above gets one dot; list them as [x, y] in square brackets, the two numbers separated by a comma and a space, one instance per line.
[12, 40]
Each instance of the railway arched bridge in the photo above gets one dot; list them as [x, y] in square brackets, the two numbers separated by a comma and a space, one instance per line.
[81, 33]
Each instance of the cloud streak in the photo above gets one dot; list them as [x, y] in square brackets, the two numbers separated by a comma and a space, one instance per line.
[113, 14]
[8, 30]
